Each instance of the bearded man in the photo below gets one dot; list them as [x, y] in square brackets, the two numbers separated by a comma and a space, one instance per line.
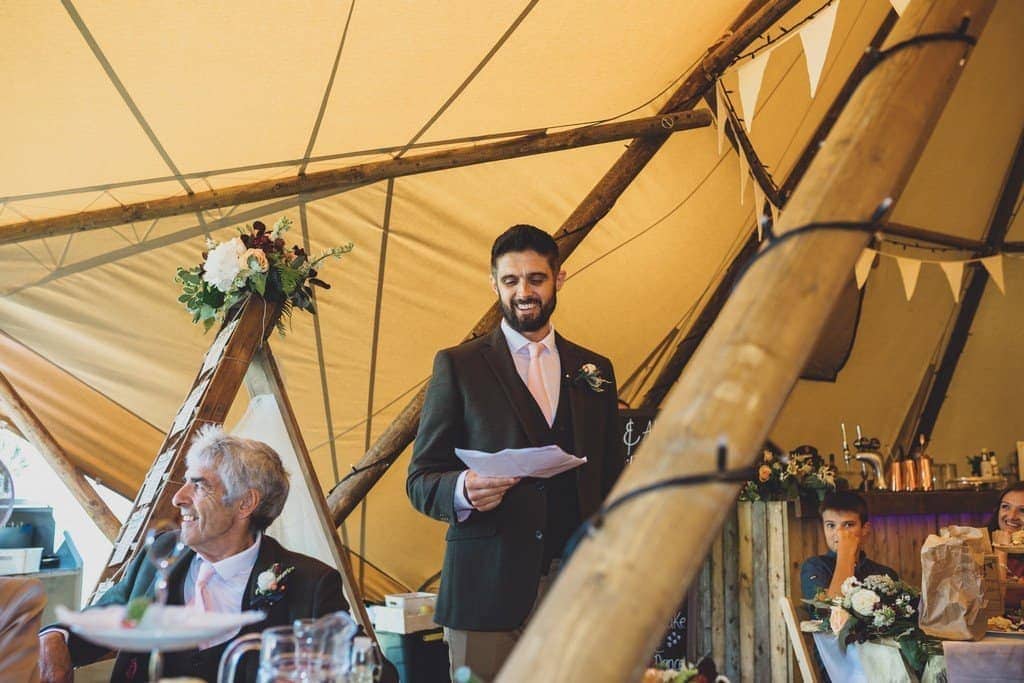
[522, 385]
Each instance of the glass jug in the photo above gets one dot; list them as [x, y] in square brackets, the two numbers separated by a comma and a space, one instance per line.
[312, 651]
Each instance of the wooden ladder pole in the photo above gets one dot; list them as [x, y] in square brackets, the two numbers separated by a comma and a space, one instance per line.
[608, 608]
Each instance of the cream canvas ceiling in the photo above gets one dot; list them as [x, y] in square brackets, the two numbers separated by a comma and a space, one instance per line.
[119, 102]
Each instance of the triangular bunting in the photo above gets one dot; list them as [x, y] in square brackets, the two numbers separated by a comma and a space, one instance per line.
[954, 271]
[900, 6]
[816, 36]
[751, 75]
[722, 115]
[909, 270]
[863, 267]
[994, 266]
[744, 174]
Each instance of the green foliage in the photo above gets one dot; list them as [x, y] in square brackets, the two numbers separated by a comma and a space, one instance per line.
[263, 266]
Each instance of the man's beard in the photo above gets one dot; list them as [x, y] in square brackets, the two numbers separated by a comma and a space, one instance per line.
[531, 324]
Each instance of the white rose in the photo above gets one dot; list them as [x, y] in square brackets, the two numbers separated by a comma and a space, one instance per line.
[265, 580]
[222, 264]
[864, 601]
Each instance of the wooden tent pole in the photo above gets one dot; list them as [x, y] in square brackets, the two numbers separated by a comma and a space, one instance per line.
[660, 126]
[35, 433]
[976, 280]
[371, 467]
[612, 600]
[740, 142]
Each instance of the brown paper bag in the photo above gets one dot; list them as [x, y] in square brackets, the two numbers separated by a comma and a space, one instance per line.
[960, 586]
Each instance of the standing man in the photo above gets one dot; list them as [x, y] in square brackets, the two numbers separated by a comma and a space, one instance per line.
[522, 385]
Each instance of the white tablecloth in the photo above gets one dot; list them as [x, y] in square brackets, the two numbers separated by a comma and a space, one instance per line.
[871, 663]
[995, 659]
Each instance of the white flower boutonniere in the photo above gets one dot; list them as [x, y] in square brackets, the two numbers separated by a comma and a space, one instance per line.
[270, 584]
[590, 375]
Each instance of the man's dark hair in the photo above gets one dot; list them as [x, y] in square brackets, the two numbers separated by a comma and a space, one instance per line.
[524, 237]
[845, 501]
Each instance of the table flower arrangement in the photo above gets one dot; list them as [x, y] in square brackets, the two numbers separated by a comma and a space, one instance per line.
[801, 473]
[875, 609]
[254, 261]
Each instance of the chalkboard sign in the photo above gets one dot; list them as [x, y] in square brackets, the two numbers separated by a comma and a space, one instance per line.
[634, 426]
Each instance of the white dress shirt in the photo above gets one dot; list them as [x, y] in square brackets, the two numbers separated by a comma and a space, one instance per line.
[226, 587]
[551, 370]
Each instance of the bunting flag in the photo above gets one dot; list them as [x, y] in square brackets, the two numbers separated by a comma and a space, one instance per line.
[721, 115]
[954, 271]
[863, 267]
[909, 270]
[751, 74]
[744, 174]
[994, 266]
[900, 6]
[816, 36]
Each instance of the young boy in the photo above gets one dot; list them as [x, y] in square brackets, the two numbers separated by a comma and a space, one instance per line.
[844, 518]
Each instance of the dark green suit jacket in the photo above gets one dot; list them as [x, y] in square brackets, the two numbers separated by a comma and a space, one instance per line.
[476, 400]
[312, 589]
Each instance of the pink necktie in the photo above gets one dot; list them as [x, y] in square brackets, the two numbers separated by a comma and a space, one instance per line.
[200, 596]
[535, 381]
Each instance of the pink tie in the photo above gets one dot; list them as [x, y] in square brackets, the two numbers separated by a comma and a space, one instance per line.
[535, 381]
[200, 596]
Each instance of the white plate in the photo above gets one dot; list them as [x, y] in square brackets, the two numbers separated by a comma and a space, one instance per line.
[172, 628]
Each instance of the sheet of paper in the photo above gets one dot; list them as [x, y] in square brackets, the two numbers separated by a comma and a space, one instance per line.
[542, 462]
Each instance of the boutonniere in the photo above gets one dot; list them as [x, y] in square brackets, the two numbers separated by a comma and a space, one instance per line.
[270, 585]
[590, 376]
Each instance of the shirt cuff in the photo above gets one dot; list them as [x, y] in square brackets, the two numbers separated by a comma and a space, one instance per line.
[53, 629]
[463, 508]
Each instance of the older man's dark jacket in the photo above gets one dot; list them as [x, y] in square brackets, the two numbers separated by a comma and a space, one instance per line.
[312, 589]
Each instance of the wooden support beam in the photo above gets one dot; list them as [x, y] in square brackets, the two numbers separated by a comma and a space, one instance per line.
[660, 126]
[739, 379]
[741, 143]
[598, 202]
[39, 436]
[976, 280]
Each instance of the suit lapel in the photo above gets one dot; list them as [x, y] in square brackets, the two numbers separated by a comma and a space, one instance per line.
[176, 578]
[498, 356]
[267, 556]
[584, 423]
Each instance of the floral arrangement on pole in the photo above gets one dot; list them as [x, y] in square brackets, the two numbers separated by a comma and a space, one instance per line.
[802, 472]
[878, 608]
[255, 261]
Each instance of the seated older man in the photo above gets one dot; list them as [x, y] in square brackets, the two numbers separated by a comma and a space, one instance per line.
[233, 489]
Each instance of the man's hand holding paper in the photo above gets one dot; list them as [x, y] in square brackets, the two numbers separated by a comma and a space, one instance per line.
[542, 462]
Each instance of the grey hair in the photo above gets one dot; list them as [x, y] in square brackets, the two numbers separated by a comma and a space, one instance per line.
[242, 464]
